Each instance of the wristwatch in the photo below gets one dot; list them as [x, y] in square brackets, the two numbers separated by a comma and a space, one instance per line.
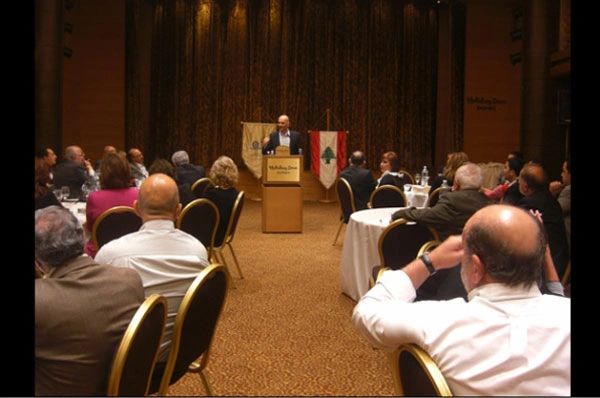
[428, 264]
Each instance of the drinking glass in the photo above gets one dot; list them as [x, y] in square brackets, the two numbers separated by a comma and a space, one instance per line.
[407, 187]
[417, 179]
[58, 194]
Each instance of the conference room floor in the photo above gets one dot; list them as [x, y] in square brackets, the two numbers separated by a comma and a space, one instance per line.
[286, 328]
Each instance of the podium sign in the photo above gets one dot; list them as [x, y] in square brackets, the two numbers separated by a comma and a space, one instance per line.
[285, 170]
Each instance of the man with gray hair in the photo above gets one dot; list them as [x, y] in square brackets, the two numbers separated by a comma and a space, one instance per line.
[81, 309]
[448, 217]
[185, 172]
[73, 171]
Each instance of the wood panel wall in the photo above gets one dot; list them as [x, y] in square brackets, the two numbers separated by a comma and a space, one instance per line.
[94, 76]
[492, 119]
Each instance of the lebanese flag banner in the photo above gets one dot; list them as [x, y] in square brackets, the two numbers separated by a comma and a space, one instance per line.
[327, 155]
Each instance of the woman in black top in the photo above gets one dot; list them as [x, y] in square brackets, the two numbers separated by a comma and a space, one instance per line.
[224, 175]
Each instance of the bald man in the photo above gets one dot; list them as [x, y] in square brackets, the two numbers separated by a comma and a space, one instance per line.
[508, 338]
[360, 179]
[166, 258]
[282, 137]
[135, 157]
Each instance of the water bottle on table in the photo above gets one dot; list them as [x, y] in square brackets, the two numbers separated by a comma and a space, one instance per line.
[424, 176]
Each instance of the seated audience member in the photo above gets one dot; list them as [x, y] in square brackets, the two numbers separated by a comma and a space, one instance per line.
[533, 184]
[389, 166]
[167, 259]
[165, 167]
[114, 191]
[185, 172]
[448, 217]
[508, 192]
[44, 196]
[81, 309]
[72, 171]
[48, 155]
[360, 179]
[454, 161]
[508, 338]
[224, 176]
[563, 190]
[138, 171]
[107, 149]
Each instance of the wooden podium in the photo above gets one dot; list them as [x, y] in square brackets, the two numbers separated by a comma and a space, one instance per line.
[282, 192]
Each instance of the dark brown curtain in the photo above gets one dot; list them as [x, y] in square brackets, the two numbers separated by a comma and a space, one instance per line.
[211, 64]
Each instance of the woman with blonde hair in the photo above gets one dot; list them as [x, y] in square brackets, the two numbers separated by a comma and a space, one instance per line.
[224, 176]
[455, 160]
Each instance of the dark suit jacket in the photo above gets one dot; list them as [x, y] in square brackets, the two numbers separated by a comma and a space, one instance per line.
[70, 174]
[448, 217]
[81, 312]
[189, 173]
[274, 142]
[362, 184]
[512, 196]
[554, 223]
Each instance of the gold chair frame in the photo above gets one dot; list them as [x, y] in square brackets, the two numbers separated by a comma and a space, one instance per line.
[428, 366]
[230, 233]
[388, 188]
[207, 182]
[132, 331]
[352, 204]
[197, 202]
[107, 213]
[410, 176]
[434, 193]
[186, 303]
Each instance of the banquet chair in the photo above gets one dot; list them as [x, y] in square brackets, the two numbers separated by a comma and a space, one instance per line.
[193, 330]
[416, 374]
[199, 187]
[136, 355]
[400, 242]
[200, 218]
[345, 196]
[428, 246]
[230, 233]
[434, 196]
[406, 177]
[387, 196]
[114, 223]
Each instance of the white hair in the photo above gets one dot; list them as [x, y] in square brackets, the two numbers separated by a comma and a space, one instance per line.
[469, 176]
[180, 157]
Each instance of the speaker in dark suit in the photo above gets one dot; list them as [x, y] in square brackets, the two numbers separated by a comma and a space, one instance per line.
[279, 137]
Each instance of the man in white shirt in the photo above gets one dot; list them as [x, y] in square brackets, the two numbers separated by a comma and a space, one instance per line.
[508, 339]
[167, 259]
[135, 157]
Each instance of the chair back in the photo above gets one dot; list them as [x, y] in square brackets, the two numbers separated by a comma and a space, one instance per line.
[428, 246]
[200, 218]
[406, 177]
[199, 187]
[345, 196]
[114, 223]
[136, 355]
[387, 196]
[434, 196]
[233, 219]
[400, 242]
[195, 323]
[416, 374]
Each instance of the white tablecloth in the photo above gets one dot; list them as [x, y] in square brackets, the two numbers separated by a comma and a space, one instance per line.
[360, 252]
[78, 210]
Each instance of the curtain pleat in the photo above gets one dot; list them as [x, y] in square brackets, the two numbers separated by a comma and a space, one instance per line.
[211, 64]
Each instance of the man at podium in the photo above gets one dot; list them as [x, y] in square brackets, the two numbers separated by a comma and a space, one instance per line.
[282, 137]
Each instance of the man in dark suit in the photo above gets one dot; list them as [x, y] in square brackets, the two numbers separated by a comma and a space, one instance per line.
[81, 309]
[185, 172]
[283, 136]
[533, 184]
[448, 217]
[360, 179]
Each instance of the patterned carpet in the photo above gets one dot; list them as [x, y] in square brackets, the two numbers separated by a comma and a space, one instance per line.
[286, 327]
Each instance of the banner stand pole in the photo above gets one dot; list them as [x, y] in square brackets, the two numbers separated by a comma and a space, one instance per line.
[327, 200]
[258, 197]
